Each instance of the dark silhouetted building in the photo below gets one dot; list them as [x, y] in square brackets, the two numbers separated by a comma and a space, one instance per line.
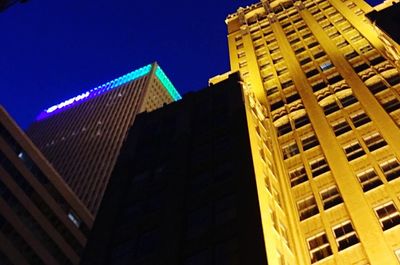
[183, 189]
[82, 136]
[386, 23]
[41, 219]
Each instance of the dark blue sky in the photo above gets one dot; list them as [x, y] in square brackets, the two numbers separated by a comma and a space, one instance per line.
[54, 50]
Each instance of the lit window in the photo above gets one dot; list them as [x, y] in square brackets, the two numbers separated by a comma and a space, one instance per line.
[353, 150]
[319, 247]
[326, 65]
[330, 197]
[298, 176]
[307, 207]
[391, 169]
[74, 219]
[388, 215]
[345, 235]
[374, 141]
[369, 179]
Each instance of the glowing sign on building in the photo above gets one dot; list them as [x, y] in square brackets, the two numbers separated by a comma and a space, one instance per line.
[109, 86]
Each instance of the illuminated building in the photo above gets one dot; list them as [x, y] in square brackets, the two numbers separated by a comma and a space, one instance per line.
[82, 136]
[183, 189]
[41, 219]
[324, 97]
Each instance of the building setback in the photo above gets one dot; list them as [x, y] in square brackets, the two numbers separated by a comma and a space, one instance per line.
[183, 189]
[82, 136]
[41, 219]
[328, 96]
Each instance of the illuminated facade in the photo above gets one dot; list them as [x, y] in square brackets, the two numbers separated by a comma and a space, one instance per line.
[82, 136]
[324, 114]
[41, 219]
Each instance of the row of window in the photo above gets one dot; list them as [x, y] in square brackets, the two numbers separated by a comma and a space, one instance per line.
[345, 237]
[292, 149]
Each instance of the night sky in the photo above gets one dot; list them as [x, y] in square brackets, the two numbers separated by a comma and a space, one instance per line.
[54, 50]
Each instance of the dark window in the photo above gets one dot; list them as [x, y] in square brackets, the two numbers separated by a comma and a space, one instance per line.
[298, 176]
[331, 108]
[272, 90]
[319, 247]
[341, 128]
[299, 50]
[354, 151]
[330, 197]
[305, 60]
[292, 98]
[312, 73]
[388, 215]
[319, 167]
[369, 179]
[287, 84]
[391, 105]
[309, 142]
[318, 86]
[302, 121]
[391, 169]
[277, 105]
[334, 79]
[319, 54]
[351, 55]
[284, 129]
[374, 141]
[377, 60]
[307, 207]
[377, 87]
[311, 45]
[361, 67]
[345, 235]
[349, 100]
[394, 80]
[360, 119]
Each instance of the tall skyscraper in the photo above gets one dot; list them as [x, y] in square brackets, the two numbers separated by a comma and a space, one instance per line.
[183, 190]
[41, 219]
[82, 136]
[326, 146]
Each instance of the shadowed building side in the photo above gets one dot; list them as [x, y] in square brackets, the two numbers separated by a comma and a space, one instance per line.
[41, 219]
[183, 190]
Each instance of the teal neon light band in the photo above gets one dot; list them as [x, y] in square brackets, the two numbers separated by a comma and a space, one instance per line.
[167, 84]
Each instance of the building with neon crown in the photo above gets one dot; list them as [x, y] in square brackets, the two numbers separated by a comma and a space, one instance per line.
[82, 136]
